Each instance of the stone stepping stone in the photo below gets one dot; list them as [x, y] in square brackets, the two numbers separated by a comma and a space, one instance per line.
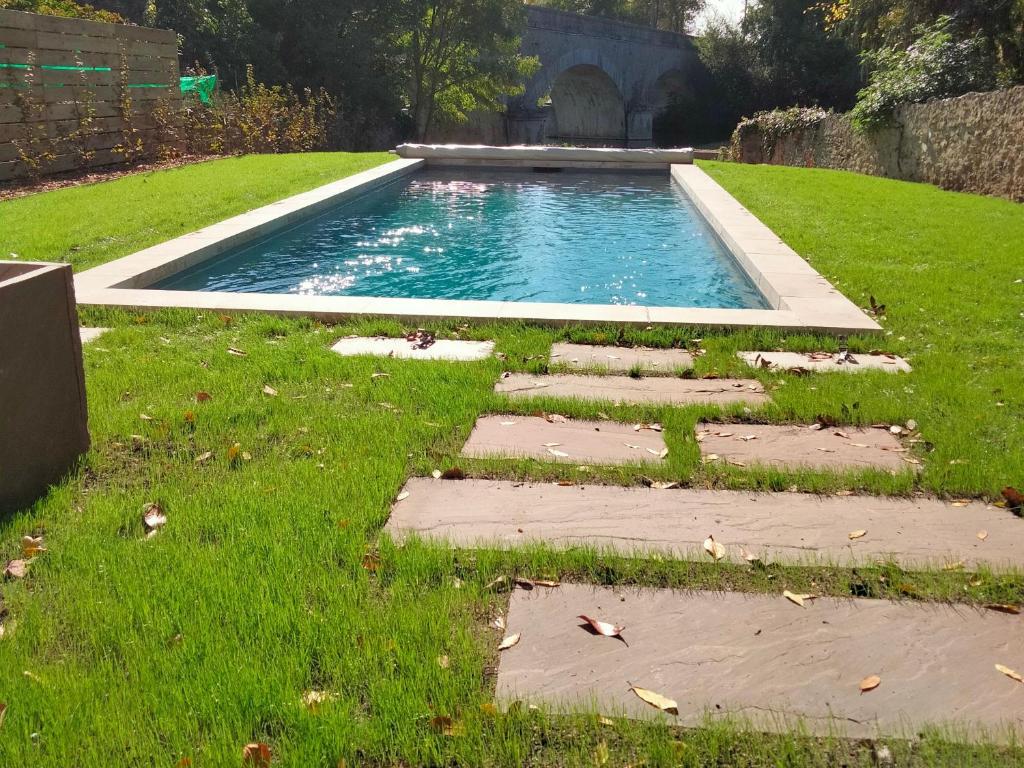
[91, 334]
[441, 349]
[576, 442]
[766, 659]
[791, 528]
[660, 390]
[825, 362]
[796, 446]
[585, 356]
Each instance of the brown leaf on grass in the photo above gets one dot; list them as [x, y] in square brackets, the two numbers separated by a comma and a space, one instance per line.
[488, 709]
[1004, 608]
[870, 683]
[185, 762]
[1010, 673]
[315, 699]
[16, 569]
[234, 351]
[371, 561]
[605, 628]
[203, 397]
[797, 598]
[3, 712]
[256, 754]
[509, 641]
[656, 700]
[714, 548]
[269, 391]
[153, 518]
[859, 534]
[447, 726]
[32, 546]
[234, 453]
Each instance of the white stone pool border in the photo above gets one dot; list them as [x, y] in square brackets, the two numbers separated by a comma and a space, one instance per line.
[801, 299]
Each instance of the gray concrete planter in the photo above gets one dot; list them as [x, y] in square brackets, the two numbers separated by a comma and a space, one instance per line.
[43, 419]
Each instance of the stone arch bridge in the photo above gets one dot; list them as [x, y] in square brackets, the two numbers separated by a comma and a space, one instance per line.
[601, 82]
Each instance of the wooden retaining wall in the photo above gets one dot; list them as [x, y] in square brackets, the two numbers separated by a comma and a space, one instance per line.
[67, 86]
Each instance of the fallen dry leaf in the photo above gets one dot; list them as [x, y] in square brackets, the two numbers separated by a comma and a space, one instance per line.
[204, 457]
[269, 390]
[556, 452]
[371, 561]
[555, 418]
[663, 703]
[202, 397]
[16, 569]
[436, 474]
[798, 599]
[256, 754]
[982, 535]
[1010, 673]
[870, 683]
[379, 375]
[487, 708]
[443, 661]
[32, 546]
[605, 628]
[402, 496]
[1004, 608]
[714, 548]
[453, 473]
[531, 583]
[447, 726]
[314, 699]
[509, 641]
[153, 518]
[237, 353]
[857, 534]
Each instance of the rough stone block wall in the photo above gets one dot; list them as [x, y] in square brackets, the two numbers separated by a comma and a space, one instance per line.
[972, 143]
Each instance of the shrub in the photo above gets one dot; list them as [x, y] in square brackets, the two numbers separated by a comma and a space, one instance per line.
[935, 66]
[774, 124]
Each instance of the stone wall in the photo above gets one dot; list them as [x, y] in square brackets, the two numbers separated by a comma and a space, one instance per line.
[972, 143]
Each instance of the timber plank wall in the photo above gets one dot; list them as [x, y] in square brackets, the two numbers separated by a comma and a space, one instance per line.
[77, 93]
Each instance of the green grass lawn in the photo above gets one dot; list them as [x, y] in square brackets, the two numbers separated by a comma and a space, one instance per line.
[122, 650]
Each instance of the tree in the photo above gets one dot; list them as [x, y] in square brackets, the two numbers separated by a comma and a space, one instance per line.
[463, 56]
[670, 15]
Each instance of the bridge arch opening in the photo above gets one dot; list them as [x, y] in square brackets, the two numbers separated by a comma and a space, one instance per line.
[671, 102]
[587, 108]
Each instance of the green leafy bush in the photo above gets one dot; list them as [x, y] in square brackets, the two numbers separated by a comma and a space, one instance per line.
[774, 124]
[937, 65]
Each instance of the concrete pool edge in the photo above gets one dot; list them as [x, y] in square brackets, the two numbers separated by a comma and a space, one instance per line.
[802, 300]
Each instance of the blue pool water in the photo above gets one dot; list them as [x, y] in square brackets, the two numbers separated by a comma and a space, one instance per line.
[579, 238]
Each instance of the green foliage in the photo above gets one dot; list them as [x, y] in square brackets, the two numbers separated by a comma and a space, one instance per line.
[670, 15]
[66, 8]
[936, 65]
[773, 124]
[464, 57]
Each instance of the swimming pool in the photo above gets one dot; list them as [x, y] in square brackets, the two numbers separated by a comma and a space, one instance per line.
[496, 235]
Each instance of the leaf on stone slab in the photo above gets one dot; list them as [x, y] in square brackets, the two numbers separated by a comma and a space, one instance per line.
[558, 453]
[555, 418]
[605, 628]
[402, 496]
[859, 534]
[1004, 608]
[870, 683]
[799, 599]
[663, 486]
[656, 700]
[1010, 673]
[714, 548]
[256, 754]
[509, 641]
[982, 535]
[531, 583]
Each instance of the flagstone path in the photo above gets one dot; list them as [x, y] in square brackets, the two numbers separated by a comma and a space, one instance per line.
[625, 389]
[819, 361]
[790, 528]
[796, 446]
[767, 659]
[584, 356]
[91, 334]
[570, 441]
[441, 349]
